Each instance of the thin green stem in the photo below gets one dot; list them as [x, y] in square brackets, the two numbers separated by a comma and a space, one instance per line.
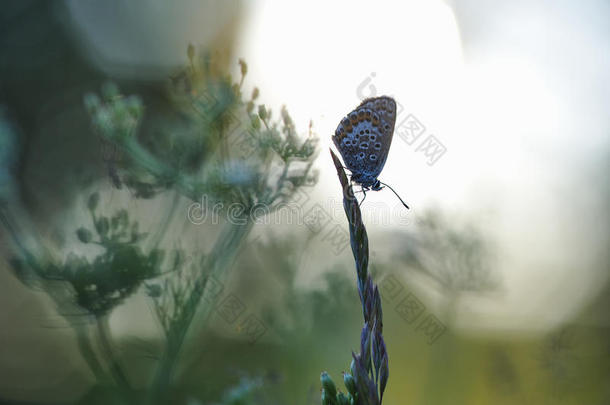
[217, 263]
[161, 231]
[115, 368]
[86, 350]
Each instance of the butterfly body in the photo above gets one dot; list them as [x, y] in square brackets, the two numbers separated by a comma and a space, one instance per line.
[364, 137]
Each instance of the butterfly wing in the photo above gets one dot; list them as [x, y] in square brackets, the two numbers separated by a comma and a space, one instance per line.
[364, 137]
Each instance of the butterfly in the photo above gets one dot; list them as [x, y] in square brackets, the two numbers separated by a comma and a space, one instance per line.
[363, 138]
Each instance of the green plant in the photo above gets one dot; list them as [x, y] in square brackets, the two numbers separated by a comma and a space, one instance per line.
[369, 370]
[96, 286]
[199, 160]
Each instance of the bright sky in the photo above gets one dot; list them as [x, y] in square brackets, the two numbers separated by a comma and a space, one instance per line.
[509, 115]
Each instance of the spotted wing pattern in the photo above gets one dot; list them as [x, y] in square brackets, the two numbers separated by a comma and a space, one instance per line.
[364, 137]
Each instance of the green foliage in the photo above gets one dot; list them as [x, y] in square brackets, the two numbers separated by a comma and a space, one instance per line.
[100, 284]
[369, 370]
[222, 151]
[218, 144]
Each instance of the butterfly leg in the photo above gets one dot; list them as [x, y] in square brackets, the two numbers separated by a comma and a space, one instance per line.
[363, 190]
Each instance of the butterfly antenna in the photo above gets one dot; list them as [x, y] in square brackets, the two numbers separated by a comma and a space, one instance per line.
[403, 203]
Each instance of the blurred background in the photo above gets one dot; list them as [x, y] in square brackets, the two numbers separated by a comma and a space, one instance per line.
[494, 285]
